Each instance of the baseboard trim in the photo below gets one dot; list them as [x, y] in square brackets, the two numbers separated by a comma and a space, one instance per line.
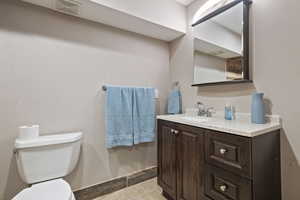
[98, 190]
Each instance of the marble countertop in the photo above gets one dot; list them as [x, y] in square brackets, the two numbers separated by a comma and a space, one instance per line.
[240, 126]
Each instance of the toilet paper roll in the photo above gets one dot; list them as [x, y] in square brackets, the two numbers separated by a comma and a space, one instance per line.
[28, 132]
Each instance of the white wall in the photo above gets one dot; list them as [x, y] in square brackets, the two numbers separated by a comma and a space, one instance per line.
[52, 68]
[275, 62]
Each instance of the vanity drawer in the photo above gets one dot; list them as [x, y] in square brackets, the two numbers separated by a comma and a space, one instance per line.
[222, 185]
[230, 152]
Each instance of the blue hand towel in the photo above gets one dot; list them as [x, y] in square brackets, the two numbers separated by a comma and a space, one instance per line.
[143, 115]
[174, 102]
[119, 127]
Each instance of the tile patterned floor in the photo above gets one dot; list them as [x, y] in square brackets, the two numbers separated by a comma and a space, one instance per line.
[148, 190]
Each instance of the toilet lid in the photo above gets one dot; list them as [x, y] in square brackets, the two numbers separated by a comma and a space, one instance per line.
[49, 190]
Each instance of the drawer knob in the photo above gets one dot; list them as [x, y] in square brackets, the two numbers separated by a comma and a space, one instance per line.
[175, 132]
[223, 188]
[223, 151]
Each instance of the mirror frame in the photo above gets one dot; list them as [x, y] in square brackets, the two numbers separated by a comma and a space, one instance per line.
[245, 63]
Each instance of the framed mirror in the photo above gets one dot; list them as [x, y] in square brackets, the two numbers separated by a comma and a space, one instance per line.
[221, 43]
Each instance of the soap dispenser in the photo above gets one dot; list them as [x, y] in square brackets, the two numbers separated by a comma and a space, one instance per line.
[229, 112]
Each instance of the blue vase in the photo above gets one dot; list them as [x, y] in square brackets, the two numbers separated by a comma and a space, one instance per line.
[258, 109]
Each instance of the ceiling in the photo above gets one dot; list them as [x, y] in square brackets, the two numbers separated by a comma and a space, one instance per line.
[185, 2]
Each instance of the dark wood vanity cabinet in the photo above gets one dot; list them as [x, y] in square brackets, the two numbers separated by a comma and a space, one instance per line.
[167, 160]
[180, 161]
[189, 162]
[200, 164]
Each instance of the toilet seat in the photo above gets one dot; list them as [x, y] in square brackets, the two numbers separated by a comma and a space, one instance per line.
[57, 189]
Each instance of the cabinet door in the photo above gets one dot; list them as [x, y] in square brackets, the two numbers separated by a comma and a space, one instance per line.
[190, 149]
[167, 159]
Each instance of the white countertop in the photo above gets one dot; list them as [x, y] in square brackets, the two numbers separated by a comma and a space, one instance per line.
[240, 126]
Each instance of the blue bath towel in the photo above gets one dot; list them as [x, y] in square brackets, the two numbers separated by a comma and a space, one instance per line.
[174, 102]
[143, 115]
[119, 126]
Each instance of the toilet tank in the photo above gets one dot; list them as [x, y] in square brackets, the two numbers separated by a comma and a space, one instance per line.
[47, 157]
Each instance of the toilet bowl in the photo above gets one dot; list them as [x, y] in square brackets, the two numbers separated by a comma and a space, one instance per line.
[43, 161]
[50, 190]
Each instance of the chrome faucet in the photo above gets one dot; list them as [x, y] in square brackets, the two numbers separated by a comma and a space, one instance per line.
[210, 111]
[203, 111]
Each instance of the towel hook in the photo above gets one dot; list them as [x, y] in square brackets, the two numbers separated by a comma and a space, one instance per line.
[176, 84]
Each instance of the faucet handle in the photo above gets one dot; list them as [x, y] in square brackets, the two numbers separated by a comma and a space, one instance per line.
[210, 111]
[200, 104]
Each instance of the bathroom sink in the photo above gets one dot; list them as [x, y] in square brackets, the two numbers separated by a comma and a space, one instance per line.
[196, 118]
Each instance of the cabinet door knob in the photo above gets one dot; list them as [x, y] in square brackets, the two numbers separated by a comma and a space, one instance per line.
[223, 188]
[176, 132]
[223, 151]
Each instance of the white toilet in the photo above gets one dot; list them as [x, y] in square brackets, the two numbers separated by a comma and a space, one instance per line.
[43, 162]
